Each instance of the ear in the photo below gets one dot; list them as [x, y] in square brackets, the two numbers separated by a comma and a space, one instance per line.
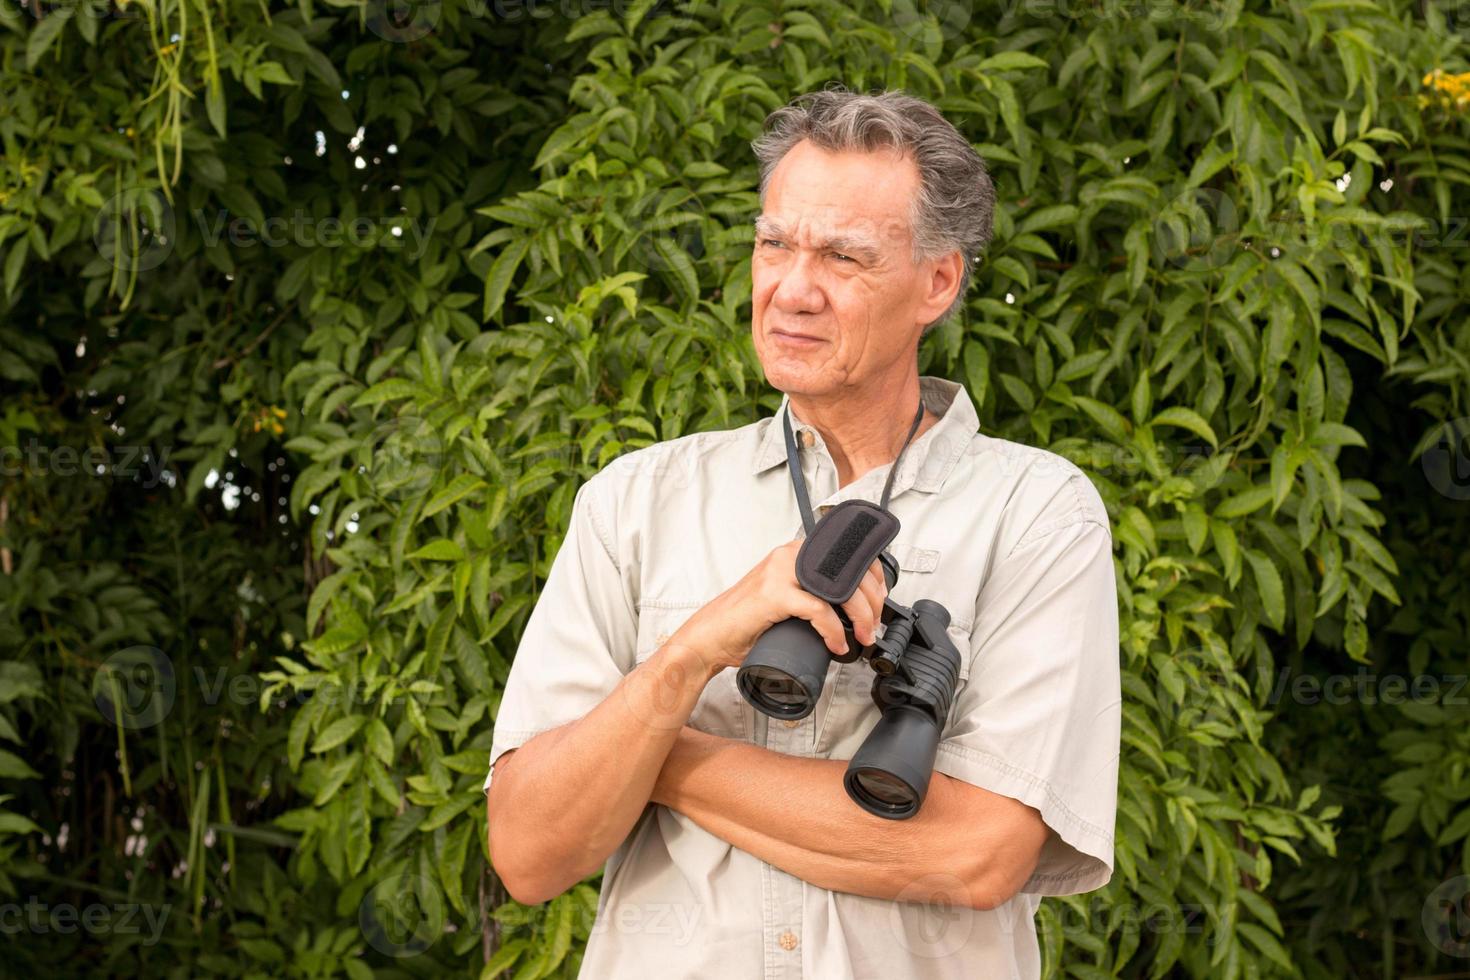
[942, 284]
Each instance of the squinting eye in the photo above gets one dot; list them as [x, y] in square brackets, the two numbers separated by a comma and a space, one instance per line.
[771, 242]
[845, 258]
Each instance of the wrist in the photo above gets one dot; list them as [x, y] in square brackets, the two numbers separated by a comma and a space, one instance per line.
[693, 657]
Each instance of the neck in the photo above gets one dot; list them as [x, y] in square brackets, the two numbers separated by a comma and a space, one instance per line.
[863, 428]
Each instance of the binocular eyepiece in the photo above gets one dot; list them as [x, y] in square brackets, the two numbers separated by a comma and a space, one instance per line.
[917, 668]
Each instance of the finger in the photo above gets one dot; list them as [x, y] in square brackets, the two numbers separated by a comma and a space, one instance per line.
[875, 572]
[873, 592]
[860, 610]
[824, 620]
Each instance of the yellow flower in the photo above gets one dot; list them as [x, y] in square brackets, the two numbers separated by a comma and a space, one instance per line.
[1449, 91]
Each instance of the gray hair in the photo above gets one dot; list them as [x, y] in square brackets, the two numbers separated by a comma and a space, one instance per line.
[956, 201]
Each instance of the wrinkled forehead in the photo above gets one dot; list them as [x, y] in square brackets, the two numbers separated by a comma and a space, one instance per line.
[816, 226]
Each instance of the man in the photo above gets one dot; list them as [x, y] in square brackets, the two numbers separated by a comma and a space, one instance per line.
[730, 847]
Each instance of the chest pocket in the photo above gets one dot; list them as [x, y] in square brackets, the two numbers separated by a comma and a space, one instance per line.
[850, 713]
[720, 709]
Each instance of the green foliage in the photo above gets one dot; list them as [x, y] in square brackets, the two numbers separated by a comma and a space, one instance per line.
[363, 440]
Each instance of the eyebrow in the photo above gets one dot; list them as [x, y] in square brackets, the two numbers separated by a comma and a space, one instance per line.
[848, 244]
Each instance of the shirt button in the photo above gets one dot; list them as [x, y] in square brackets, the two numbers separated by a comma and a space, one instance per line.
[791, 723]
[807, 438]
[787, 940]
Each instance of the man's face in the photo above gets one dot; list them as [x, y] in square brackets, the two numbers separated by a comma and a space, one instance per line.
[833, 261]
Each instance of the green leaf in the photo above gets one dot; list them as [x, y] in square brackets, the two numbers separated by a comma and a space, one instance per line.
[390, 389]
[1186, 418]
[45, 33]
[1010, 61]
[451, 864]
[1268, 583]
[13, 766]
[1243, 503]
[459, 488]
[337, 733]
[440, 549]
[497, 282]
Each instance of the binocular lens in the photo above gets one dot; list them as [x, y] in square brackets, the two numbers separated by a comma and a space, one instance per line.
[890, 773]
[884, 790]
[783, 673]
[775, 688]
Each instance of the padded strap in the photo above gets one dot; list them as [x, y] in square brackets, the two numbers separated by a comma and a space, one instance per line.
[834, 558]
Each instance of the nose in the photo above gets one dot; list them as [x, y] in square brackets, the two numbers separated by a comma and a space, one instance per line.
[798, 290]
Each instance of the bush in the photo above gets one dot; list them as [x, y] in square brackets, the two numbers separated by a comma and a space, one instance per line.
[250, 676]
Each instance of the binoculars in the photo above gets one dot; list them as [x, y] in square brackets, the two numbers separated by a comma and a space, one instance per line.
[916, 667]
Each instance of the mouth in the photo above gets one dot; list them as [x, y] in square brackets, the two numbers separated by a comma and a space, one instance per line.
[796, 339]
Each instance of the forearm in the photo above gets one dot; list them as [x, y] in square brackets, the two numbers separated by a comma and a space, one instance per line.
[564, 801]
[793, 813]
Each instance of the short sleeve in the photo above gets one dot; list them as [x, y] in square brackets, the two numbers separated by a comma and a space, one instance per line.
[1039, 718]
[580, 638]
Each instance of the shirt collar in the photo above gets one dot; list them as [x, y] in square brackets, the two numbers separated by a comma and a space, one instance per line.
[928, 460]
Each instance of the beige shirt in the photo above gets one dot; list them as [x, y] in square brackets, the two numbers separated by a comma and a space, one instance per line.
[1012, 540]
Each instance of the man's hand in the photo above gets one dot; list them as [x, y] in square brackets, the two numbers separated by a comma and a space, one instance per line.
[724, 630]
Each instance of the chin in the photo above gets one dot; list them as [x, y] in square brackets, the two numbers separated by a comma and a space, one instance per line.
[789, 375]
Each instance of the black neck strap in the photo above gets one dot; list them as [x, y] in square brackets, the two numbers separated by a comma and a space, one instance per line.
[793, 463]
